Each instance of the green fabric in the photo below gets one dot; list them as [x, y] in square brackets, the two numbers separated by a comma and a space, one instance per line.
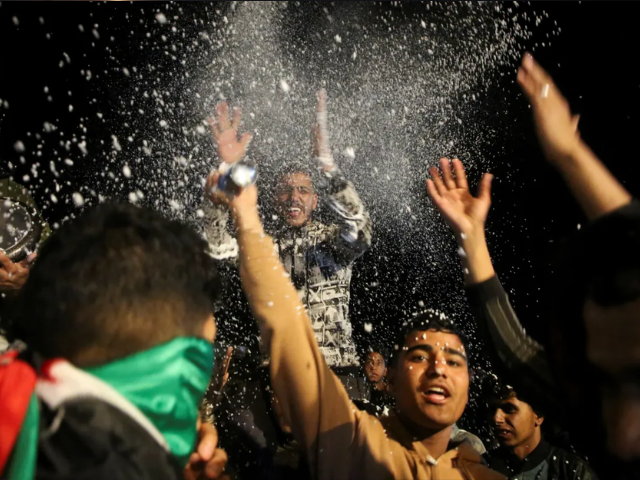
[22, 463]
[167, 383]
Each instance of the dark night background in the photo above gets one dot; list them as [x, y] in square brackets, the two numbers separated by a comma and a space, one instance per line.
[592, 61]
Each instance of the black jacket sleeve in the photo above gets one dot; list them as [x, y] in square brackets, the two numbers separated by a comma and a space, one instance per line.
[515, 355]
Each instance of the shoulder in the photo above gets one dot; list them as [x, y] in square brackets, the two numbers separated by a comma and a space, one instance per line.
[90, 439]
[573, 465]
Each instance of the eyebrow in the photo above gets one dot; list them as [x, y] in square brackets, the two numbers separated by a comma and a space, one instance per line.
[429, 348]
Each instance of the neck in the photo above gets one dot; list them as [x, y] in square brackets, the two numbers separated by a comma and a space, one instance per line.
[378, 385]
[435, 441]
[525, 448]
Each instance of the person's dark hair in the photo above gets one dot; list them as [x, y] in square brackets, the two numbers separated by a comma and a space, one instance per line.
[382, 351]
[118, 280]
[497, 389]
[429, 320]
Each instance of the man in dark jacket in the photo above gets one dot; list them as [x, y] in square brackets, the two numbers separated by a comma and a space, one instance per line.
[523, 453]
[117, 316]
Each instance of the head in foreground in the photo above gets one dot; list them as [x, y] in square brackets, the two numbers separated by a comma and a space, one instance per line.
[116, 281]
[596, 330]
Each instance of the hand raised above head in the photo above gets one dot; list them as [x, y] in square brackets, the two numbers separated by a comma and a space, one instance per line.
[557, 129]
[463, 212]
[225, 133]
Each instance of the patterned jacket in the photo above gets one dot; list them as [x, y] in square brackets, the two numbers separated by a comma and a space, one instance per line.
[318, 257]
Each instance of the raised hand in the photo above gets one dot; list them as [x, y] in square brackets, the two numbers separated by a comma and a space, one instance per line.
[225, 133]
[13, 276]
[557, 129]
[243, 199]
[463, 212]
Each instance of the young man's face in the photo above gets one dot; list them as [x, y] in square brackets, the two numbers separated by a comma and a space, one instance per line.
[613, 347]
[295, 199]
[375, 368]
[514, 422]
[431, 380]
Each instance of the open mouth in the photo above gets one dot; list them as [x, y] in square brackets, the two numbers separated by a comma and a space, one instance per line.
[502, 433]
[294, 212]
[436, 395]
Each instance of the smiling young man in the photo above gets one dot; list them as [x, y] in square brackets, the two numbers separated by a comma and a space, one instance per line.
[523, 453]
[318, 256]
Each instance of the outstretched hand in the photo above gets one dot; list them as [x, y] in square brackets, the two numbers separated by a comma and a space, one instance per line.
[557, 129]
[225, 133]
[463, 212]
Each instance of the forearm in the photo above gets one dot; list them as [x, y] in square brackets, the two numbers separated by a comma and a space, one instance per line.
[476, 261]
[355, 222]
[299, 374]
[595, 189]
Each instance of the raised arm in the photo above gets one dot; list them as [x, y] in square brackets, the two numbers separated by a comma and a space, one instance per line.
[353, 235]
[594, 187]
[312, 399]
[222, 245]
[513, 352]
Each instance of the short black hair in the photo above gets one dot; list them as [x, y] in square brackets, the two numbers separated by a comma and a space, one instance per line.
[118, 280]
[428, 320]
[382, 351]
[498, 389]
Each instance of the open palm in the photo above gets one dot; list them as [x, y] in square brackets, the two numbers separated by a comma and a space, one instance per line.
[225, 132]
[463, 212]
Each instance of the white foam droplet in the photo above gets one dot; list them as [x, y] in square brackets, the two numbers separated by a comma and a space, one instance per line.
[78, 200]
[284, 86]
[19, 146]
[161, 18]
[126, 171]
[368, 327]
[350, 152]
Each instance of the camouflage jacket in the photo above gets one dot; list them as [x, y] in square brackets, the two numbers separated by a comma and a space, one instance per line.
[318, 257]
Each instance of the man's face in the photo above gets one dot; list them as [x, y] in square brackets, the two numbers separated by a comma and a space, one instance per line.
[613, 347]
[431, 380]
[295, 199]
[514, 422]
[375, 368]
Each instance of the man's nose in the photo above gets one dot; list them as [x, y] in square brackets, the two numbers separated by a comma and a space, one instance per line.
[437, 365]
[498, 417]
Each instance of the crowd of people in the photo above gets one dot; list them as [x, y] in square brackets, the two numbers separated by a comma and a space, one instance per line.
[110, 372]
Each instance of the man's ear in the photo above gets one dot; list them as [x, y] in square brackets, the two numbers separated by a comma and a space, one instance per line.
[315, 201]
[538, 421]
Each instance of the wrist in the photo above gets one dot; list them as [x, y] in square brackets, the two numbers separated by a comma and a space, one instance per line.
[476, 261]
[246, 218]
[569, 157]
